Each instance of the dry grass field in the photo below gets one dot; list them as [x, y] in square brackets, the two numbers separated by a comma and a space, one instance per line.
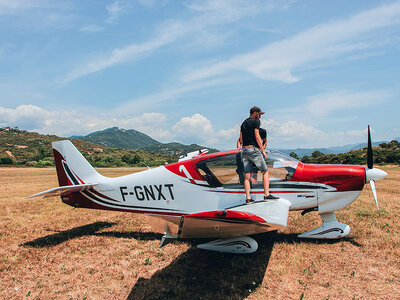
[49, 250]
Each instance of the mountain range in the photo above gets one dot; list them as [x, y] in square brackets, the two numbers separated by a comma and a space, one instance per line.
[331, 150]
[119, 138]
[132, 139]
[19, 147]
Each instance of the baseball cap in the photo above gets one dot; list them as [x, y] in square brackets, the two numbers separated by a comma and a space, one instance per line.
[257, 109]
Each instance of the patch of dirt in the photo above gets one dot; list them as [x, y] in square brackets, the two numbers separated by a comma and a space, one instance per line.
[10, 154]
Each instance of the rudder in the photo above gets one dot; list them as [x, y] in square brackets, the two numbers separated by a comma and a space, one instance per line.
[72, 167]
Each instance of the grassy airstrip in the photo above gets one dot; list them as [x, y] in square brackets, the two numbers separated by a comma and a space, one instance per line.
[49, 250]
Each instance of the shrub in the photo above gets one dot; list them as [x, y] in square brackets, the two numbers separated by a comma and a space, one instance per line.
[6, 161]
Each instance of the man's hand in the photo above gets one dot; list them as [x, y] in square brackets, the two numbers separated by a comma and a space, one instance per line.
[239, 142]
[264, 153]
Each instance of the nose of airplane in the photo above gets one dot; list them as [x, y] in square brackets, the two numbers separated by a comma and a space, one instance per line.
[375, 174]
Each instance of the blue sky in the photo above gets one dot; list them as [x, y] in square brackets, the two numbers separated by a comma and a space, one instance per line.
[189, 71]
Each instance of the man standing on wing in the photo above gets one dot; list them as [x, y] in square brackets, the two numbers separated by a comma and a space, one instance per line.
[253, 152]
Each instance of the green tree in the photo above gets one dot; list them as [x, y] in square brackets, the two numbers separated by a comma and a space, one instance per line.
[125, 158]
[393, 157]
[394, 144]
[135, 159]
[316, 154]
[109, 159]
[6, 161]
[383, 145]
[294, 155]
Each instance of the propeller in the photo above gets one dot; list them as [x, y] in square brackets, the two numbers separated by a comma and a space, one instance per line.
[372, 174]
[370, 156]
[372, 184]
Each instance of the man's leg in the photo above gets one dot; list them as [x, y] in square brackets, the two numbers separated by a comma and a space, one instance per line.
[267, 195]
[266, 183]
[247, 185]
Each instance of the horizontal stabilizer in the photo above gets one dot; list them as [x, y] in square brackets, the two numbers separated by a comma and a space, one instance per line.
[58, 191]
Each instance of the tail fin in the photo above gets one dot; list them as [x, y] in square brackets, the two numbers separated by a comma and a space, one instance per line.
[72, 168]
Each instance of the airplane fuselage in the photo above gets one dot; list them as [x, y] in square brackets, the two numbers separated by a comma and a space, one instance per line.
[180, 189]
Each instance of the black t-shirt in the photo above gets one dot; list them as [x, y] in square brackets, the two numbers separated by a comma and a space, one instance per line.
[263, 133]
[247, 130]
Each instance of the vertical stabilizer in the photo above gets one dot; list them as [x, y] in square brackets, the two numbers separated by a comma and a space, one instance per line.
[72, 167]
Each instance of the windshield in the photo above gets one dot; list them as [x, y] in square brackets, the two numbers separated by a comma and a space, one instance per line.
[227, 170]
[277, 159]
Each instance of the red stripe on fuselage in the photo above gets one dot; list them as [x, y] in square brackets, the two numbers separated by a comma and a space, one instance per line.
[259, 192]
[76, 199]
[103, 196]
[227, 215]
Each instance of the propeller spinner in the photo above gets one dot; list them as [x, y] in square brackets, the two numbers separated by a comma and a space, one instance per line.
[372, 174]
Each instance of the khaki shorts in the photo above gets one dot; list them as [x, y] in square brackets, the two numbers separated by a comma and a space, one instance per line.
[251, 157]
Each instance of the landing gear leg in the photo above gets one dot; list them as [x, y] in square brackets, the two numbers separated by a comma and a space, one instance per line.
[330, 229]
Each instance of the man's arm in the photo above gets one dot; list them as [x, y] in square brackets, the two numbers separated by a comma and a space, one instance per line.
[239, 142]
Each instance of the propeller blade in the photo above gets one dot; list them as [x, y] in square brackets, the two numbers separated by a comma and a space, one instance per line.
[372, 184]
[370, 157]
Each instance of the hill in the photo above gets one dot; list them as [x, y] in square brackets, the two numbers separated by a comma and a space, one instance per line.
[384, 153]
[175, 148]
[132, 139]
[20, 147]
[119, 138]
[330, 150]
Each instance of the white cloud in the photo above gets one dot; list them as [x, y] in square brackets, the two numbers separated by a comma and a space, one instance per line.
[281, 134]
[170, 93]
[299, 126]
[198, 129]
[67, 123]
[225, 138]
[23, 116]
[120, 55]
[196, 125]
[92, 28]
[278, 60]
[290, 130]
[208, 15]
[189, 129]
[327, 103]
[343, 105]
[228, 11]
[296, 134]
[14, 7]
[151, 3]
[153, 124]
[42, 15]
[118, 8]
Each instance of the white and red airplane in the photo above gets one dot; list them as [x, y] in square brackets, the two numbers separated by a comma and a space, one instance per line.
[202, 196]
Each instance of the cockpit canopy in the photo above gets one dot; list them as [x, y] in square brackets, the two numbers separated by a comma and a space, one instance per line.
[227, 170]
